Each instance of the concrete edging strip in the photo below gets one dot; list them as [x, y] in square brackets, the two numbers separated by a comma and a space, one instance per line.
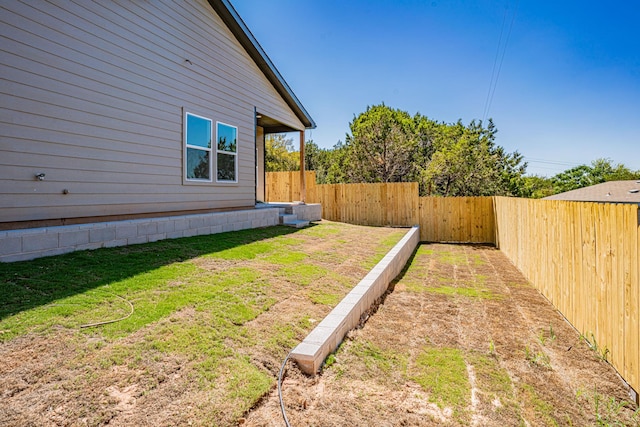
[327, 336]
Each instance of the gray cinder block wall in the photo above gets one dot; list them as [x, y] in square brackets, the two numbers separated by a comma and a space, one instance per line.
[21, 245]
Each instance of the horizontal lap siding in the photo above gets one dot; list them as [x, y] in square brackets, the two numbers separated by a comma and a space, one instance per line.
[92, 96]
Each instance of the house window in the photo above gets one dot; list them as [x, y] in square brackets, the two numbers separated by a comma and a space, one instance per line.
[197, 136]
[227, 153]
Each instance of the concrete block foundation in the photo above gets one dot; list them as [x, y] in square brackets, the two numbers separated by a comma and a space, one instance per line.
[21, 245]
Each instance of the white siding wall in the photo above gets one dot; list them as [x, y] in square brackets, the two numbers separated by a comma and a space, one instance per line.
[92, 96]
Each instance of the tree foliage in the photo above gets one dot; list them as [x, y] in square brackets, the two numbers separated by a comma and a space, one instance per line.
[330, 165]
[280, 154]
[446, 159]
[381, 145]
[536, 187]
[467, 162]
[601, 170]
[390, 145]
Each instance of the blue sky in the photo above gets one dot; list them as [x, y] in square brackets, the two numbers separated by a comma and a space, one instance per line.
[568, 90]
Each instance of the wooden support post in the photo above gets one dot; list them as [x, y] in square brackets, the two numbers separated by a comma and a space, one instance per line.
[303, 183]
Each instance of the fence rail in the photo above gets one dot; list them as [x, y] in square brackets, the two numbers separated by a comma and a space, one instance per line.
[583, 257]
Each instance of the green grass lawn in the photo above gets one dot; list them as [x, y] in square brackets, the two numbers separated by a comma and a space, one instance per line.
[159, 278]
[197, 300]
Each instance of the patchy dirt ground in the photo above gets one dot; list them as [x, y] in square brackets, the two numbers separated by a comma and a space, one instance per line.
[462, 339]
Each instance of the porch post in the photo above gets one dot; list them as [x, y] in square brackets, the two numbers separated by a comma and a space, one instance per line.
[303, 183]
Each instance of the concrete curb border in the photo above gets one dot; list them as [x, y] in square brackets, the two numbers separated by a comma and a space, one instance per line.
[327, 336]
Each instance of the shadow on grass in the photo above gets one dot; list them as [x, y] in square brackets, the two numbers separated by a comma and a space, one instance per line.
[29, 284]
[403, 272]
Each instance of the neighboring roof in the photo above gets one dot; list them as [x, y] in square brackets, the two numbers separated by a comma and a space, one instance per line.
[611, 191]
[240, 30]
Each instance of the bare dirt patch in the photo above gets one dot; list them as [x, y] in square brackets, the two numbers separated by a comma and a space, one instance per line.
[461, 339]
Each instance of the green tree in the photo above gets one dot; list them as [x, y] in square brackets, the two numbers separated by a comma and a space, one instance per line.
[619, 172]
[313, 156]
[454, 168]
[337, 163]
[329, 164]
[390, 145]
[427, 132]
[381, 145]
[571, 179]
[536, 187]
[467, 162]
[512, 172]
[601, 170]
[280, 154]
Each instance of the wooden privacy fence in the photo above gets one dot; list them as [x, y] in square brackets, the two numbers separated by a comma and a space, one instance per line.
[456, 219]
[285, 186]
[390, 204]
[584, 258]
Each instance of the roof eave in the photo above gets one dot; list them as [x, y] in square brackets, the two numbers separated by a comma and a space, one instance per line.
[240, 30]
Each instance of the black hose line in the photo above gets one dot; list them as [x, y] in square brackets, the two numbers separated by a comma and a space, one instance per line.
[284, 412]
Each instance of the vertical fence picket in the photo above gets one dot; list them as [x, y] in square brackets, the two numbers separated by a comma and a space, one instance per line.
[632, 300]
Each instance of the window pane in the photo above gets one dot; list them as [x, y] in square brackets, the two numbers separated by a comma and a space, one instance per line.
[226, 167]
[198, 131]
[198, 164]
[227, 138]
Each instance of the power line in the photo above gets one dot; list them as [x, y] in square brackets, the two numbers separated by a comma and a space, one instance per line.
[551, 162]
[494, 81]
[495, 61]
[556, 169]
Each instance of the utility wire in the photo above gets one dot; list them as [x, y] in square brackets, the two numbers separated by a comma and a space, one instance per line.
[556, 169]
[495, 62]
[494, 82]
[551, 162]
